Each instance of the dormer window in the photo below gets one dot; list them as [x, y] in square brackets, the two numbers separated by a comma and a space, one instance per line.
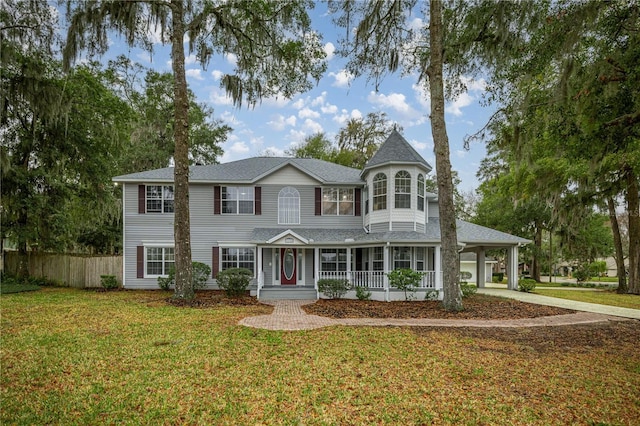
[421, 192]
[379, 192]
[403, 190]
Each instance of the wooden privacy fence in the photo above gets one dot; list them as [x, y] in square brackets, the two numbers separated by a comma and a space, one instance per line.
[73, 270]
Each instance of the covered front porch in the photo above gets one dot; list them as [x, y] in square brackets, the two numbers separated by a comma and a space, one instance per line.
[290, 265]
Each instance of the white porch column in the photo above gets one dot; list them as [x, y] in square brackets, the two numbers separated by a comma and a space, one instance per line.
[316, 267]
[438, 268]
[481, 273]
[385, 278]
[259, 274]
[512, 268]
[349, 266]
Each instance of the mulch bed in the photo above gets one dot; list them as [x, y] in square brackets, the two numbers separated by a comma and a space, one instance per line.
[477, 306]
[215, 298]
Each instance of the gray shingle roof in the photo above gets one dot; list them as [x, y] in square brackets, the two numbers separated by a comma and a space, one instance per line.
[468, 233]
[396, 149]
[251, 170]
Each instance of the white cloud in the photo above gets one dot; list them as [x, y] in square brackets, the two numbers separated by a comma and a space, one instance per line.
[345, 115]
[422, 95]
[277, 101]
[219, 97]
[217, 74]
[319, 100]
[329, 49]
[239, 148]
[230, 118]
[416, 24]
[474, 85]
[420, 146]
[299, 103]
[191, 59]
[308, 113]
[460, 153]
[296, 136]
[231, 58]
[273, 151]
[329, 109]
[342, 78]
[194, 73]
[279, 122]
[462, 101]
[312, 126]
[396, 101]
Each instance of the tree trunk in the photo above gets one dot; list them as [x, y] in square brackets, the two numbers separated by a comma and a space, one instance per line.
[182, 227]
[633, 205]
[617, 244]
[535, 264]
[450, 263]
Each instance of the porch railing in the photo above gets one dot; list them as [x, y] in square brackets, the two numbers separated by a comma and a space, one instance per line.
[375, 279]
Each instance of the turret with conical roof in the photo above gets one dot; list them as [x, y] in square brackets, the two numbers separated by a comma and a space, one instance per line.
[395, 196]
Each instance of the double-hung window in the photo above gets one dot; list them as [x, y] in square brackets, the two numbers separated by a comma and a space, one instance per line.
[402, 258]
[159, 198]
[337, 201]
[159, 261]
[379, 192]
[403, 190]
[421, 192]
[333, 260]
[238, 257]
[237, 200]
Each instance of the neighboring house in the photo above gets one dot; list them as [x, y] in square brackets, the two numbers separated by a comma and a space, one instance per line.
[293, 221]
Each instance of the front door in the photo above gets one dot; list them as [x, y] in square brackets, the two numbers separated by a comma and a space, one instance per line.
[288, 264]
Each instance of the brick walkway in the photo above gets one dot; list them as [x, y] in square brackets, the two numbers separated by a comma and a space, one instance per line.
[288, 315]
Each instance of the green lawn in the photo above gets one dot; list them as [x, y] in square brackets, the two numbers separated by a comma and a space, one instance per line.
[76, 357]
[602, 297]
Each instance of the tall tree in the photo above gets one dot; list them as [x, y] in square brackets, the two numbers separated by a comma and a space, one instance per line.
[276, 51]
[360, 137]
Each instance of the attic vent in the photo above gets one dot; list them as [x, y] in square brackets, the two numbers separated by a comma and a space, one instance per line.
[289, 240]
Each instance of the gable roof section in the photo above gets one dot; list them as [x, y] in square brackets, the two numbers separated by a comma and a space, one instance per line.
[396, 149]
[251, 170]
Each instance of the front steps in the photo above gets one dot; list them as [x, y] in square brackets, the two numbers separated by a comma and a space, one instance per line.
[288, 293]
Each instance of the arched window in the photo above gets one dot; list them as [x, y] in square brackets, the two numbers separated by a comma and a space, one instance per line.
[421, 192]
[403, 190]
[379, 192]
[289, 206]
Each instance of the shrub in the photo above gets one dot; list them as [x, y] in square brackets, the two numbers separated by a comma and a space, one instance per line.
[234, 281]
[333, 288]
[467, 289]
[582, 274]
[108, 282]
[199, 277]
[527, 285]
[201, 273]
[432, 295]
[406, 280]
[362, 294]
[497, 277]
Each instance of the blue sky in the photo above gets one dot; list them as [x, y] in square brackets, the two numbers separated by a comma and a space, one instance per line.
[277, 123]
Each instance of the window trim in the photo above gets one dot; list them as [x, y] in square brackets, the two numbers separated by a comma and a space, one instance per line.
[224, 251]
[163, 199]
[164, 260]
[283, 212]
[249, 190]
[402, 185]
[379, 195]
[421, 192]
[338, 201]
[337, 262]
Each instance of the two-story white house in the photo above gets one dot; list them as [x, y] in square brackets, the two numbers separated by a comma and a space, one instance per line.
[293, 221]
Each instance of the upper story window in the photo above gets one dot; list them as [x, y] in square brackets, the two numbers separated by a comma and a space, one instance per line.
[366, 200]
[403, 190]
[289, 206]
[159, 198]
[379, 192]
[337, 201]
[237, 200]
[421, 192]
